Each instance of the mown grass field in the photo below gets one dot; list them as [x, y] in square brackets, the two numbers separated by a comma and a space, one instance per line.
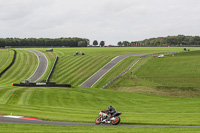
[75, 70]
[6, 56]
[112, 51]
[83, 104]
[179, 70]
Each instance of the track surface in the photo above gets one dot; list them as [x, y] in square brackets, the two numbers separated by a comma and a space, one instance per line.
[42, 66]
[24, 121]
[99, 74]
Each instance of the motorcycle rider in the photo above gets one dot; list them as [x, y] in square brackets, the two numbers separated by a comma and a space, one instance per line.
[108, 116]
[110, 112]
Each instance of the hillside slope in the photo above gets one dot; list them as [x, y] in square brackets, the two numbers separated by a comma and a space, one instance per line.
[6, 58]
[24, 66]
[175, 75]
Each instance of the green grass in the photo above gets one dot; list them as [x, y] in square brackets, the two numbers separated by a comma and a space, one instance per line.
[111, 51]
[173, 74]
[179, 70]
[27, 128]
[83, 105]
[76, 69]
[6, 58]
[24, 66]
[130, 79]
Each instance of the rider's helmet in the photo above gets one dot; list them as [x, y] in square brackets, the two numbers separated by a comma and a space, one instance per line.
[110, 107]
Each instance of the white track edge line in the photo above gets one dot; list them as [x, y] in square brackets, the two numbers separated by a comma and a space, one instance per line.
[10, 116]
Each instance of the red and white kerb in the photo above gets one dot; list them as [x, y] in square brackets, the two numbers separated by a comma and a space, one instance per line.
[19, 117]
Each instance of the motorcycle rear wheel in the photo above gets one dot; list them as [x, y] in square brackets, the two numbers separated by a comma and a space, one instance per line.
[98, 120]
[117, 121]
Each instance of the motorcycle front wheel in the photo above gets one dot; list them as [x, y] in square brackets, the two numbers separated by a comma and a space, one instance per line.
[117, 120]
[98, 120]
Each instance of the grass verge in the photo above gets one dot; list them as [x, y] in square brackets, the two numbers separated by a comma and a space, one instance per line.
[83, 105]
[27, 128]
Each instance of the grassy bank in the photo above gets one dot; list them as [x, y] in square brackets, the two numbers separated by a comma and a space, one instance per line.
[6, 58]
[173, 73]
[178, 70]
[27, 128]
[84, 104]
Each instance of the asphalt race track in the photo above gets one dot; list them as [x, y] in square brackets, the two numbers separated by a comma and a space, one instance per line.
[97, 76]
[24, 121]
[42, 66]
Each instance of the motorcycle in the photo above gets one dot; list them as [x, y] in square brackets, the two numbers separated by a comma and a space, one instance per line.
[102, 118]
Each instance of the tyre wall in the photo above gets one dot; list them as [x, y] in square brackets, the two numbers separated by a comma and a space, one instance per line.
[51, 72]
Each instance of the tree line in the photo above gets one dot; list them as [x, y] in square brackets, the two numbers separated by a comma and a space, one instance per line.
[33, 42]
[179, 40]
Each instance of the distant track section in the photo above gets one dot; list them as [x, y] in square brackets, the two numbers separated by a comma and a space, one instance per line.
[42, 66]
[99, 74]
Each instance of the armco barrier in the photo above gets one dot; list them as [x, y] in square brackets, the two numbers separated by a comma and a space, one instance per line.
[50, 84]
[51, 72]
[13, 61]
[133, 65]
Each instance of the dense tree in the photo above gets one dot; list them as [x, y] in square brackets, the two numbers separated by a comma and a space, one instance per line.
[102, 43]
[179, 40]
[82, 44]
[95, 43]
[119, 43]
[34, 42]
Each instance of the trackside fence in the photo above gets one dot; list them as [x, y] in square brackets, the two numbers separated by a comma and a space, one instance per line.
[133, 65]
[52, 69]
[13, 61]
